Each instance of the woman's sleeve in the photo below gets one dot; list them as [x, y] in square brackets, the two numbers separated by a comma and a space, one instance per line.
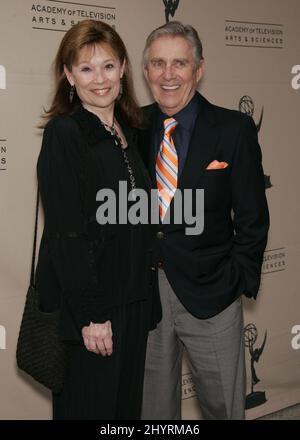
[71, 251]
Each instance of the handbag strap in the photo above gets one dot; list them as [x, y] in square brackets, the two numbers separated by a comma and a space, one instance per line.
[32, 273]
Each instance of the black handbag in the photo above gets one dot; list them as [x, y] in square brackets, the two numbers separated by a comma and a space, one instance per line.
[40, 352]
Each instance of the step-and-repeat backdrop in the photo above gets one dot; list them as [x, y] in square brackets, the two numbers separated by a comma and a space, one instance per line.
[253, 65]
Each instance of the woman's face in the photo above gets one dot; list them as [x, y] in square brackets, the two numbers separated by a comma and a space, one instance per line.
[96, 76]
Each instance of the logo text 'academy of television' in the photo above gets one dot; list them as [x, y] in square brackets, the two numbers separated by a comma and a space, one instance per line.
[245, 34]
[61, 16]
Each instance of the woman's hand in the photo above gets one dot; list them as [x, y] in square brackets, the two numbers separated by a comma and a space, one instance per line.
[98, 338]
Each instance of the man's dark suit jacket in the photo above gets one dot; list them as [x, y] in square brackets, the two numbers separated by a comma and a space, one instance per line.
[209, 271]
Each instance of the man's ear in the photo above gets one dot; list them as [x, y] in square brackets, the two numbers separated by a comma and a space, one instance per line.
[200, 70]
[69, 75]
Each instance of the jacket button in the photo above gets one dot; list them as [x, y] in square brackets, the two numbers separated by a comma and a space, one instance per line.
[160, 235]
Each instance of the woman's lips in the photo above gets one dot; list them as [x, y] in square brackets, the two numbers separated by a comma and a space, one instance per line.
[101, 92]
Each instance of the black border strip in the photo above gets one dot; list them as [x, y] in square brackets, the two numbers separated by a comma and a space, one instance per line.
[260, 47]
[272, 250]
[81, 4]
[273, 271]
[47, 29]
[251, 22]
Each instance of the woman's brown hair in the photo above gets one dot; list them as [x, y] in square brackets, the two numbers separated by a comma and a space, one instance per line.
[88, 33]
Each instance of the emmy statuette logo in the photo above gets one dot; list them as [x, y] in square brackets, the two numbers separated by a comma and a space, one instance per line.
[246, 105]
[170, 8]
[255, 398]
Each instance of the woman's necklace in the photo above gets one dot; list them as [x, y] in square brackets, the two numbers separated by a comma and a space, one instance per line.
[114, 133]
[119, 143]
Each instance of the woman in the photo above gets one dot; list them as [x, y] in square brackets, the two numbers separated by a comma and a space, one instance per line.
[99, 275]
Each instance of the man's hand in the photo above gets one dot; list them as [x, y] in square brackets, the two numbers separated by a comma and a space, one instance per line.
[98, 338]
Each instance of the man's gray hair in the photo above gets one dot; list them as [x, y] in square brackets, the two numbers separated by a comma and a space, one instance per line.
[176, 29]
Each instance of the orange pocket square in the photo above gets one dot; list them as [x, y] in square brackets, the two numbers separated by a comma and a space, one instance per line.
[216, 165]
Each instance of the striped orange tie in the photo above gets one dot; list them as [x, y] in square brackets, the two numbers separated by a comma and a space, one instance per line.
[166, 168]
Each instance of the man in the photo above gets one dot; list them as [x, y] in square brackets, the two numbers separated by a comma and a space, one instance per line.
[192, 144]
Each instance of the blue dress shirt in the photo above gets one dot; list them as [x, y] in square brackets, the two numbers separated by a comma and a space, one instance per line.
[186, 119]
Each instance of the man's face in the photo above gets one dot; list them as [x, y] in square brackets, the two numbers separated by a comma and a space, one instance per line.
[171, 73]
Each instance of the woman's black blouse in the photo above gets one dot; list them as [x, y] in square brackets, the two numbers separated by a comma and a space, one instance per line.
[84, 267]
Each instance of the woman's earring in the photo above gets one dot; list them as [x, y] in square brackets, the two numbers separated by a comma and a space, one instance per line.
[121, 88]
[71, 94]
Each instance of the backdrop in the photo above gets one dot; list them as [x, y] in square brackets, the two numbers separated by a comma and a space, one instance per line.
[252, 64]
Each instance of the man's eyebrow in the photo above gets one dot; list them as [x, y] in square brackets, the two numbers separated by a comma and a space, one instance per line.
[154, 59]
[185, 60]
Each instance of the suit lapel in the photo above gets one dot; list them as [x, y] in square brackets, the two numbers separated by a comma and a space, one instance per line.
[147, 142]
[202, 146]
[201, 149]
